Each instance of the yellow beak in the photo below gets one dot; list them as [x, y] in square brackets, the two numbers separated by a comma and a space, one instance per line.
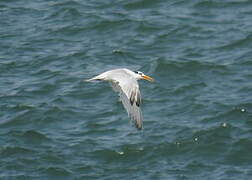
[148, 78]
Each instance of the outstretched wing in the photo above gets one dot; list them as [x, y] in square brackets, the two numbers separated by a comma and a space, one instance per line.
[130, 96]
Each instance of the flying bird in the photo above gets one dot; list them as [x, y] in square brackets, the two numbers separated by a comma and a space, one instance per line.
[124, 81]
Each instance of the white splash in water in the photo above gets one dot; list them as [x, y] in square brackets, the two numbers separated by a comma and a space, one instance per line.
[120, 152]
[224, 124]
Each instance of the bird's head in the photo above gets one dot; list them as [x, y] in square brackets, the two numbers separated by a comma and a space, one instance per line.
[141, 75]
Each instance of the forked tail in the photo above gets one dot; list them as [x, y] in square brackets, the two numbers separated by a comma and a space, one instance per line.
[96, 78]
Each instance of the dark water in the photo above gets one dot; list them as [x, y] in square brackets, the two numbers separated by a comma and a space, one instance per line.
[197, 115]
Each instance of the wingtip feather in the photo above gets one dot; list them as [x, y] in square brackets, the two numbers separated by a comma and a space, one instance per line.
[139, 128]
[139, 125]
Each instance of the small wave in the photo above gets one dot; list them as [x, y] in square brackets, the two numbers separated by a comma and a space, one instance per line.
[9, 151]
[65, 4]
[39, 90]
[221, 4]
[187, 66]
[176, 73]
[5, 67]
[17, 119]
[240, 152]
[65, 13]
[189, 87]
[244, 42]
[140, 4]
[125, 153]
[57, 172]
[230, 114]
[209, 4]
[33, 136]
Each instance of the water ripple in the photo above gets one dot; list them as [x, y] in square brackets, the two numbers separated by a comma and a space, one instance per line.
[197, 115]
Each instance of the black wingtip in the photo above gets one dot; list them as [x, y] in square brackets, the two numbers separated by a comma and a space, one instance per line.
[139, 126]
[138, 103]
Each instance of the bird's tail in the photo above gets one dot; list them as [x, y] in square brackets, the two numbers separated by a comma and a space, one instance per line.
[96, 78]
[88, 80]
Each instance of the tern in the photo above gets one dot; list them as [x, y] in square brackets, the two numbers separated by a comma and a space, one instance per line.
[124, 82]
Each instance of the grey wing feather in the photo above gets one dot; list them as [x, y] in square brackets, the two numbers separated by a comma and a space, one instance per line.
[131, 100]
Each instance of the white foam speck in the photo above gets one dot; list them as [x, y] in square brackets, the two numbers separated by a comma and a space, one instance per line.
[121, 152]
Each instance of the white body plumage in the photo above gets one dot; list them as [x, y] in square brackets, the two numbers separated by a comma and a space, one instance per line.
[124, 81]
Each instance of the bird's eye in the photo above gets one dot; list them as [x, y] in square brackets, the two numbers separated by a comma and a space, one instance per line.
[138, 72]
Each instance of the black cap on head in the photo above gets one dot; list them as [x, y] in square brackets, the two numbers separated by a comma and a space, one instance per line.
[138, 72]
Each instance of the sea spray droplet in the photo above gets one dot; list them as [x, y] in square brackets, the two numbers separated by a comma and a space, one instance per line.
[141, 149]
[224, 124]
[120, 152]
